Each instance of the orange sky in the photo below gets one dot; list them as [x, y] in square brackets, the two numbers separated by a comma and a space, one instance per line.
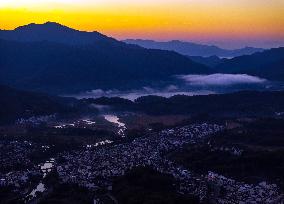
[225, 22]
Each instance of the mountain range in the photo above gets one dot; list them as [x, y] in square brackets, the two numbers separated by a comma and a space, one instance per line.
[193, 49]
[56, 59]
[268, 64]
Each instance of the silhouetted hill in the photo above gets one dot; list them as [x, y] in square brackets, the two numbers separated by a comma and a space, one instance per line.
[54, 32]
[246, 103]
[193, 49]
[268, 64]
[56, 66]
[16, 104]
[211, 61]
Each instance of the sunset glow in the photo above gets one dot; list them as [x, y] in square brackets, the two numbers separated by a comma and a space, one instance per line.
[242, 22]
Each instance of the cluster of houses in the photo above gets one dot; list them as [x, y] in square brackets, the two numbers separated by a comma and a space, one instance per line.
[16, 167]
[15, 155]
[36, 120]
[242, 192]
[236, 151]
[95, 168]
[82, 123]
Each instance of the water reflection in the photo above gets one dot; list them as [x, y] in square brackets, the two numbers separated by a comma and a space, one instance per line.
[115, 120]
[47, 167]
[40, 188]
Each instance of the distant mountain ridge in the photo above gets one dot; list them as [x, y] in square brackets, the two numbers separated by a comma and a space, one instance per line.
[211, 61]
[268, 64]
[193, 49]
[56, 59]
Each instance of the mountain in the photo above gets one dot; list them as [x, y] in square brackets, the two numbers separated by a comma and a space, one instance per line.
[17, 104]
[193, 49]
[55, 59]
[54, 32]
[268, 64]
[211, 61]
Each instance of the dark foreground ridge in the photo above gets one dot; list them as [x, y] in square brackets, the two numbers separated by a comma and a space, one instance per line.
[17, 104]
[248, 103]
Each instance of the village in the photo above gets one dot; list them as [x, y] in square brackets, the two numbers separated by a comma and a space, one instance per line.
[94, 166]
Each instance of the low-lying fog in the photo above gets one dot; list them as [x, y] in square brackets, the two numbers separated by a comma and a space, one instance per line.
[192, 85]
[221, 79]
[145, 91]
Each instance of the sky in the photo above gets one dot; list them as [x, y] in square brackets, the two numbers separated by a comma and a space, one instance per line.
[227, 23]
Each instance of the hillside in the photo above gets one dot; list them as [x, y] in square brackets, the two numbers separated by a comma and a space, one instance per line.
[245, 103]
[268, 64]
[16, 104]
[211, 61]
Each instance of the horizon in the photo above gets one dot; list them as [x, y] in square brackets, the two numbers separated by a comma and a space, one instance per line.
[227, 24]
[150, 39]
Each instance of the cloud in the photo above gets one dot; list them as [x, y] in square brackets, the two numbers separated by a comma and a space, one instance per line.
[221, 79]
[196, 85]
